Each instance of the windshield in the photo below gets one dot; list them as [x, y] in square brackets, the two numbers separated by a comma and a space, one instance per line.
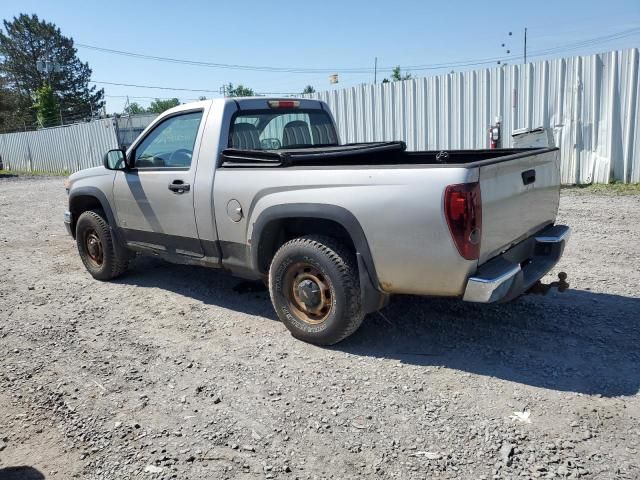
[280, 129]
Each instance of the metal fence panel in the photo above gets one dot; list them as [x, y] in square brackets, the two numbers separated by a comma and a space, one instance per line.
[60, 149]
[592, 104]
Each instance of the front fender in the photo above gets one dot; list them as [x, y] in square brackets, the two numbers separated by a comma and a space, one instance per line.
[76, 200]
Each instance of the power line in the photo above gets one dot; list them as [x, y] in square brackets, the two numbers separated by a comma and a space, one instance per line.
[278, 69]
[589, 42]
[139, 97]
[157, 87]
[179, 89]
[432, 66]
[535, 53]
[209, 64]
[361, 70]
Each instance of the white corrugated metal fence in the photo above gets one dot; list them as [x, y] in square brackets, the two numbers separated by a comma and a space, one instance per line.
[60, 149]
[590, 102]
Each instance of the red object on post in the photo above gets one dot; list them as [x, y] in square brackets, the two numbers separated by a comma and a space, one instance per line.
[494, 135]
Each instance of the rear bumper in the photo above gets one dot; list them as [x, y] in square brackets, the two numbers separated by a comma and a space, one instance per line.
[515, 271]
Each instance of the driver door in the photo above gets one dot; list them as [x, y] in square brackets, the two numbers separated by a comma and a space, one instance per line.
[154, 198]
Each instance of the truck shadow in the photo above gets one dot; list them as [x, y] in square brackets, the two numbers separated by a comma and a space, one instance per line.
[20, 473]
[210, 286]
[578, 341]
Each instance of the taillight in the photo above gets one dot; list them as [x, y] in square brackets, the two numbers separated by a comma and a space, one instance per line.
[463, 210]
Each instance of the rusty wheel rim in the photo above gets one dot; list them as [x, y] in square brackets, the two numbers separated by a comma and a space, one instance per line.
[309, 293]
[93, 246]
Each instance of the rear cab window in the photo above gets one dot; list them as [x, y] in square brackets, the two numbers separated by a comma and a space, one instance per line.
[282, 129]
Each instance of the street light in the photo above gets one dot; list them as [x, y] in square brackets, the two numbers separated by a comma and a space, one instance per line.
[47, 66]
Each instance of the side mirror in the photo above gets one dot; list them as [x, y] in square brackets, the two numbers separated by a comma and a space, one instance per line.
[115, 159]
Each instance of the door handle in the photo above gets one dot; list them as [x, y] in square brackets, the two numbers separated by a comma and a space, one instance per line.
[178, 186]
[528, 177]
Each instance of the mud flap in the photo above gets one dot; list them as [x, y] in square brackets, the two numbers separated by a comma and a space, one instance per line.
[371, 298]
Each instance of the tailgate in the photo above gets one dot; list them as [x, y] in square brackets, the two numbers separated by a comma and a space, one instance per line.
[519, 197]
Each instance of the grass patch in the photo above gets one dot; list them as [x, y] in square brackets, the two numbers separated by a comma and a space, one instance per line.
[35, 173]
[606, 188]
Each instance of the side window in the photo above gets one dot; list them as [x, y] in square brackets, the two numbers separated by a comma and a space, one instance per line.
[170, 144]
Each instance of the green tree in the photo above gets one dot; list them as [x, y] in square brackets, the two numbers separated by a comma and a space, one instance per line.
[239, 91]
[159, 105]
[25, 42]
[134, 109]
[396, 75]
[309, 89]
[46, 107]
[9, 114]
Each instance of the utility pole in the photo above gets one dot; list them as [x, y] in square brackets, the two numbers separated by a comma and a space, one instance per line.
[525, 45]
[375, 71]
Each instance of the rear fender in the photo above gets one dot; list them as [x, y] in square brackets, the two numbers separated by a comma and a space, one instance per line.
[372, 296]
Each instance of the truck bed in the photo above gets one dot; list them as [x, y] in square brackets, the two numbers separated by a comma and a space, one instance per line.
[378, 153]
[519, 187]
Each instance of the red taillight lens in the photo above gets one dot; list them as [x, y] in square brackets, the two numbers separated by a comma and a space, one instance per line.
[463, 210]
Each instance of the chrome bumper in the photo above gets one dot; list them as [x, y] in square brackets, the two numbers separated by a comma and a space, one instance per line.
[67, 222]
[515, 271]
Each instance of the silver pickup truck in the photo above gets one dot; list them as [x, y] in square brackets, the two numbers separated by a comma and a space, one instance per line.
[263, 188]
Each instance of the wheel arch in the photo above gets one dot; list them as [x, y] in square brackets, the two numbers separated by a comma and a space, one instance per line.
[90, 198]
[277, 224]
[304, 218]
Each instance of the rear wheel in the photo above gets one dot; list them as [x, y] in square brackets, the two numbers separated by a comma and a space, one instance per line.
[314, 287]
[97, 248]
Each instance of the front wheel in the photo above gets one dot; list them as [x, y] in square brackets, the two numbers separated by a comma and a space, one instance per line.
[315, 290]
[97, 248]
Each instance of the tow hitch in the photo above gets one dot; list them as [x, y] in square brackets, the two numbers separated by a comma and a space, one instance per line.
[540, 288]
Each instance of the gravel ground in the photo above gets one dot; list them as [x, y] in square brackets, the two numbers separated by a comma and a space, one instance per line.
[182, 372]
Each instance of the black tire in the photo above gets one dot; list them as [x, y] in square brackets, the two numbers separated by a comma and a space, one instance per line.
[332, 268]
[103, 259]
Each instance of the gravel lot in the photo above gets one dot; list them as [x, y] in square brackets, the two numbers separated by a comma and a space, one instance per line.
[182, 372]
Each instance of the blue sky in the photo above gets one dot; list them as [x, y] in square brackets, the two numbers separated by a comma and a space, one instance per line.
[331, 35]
